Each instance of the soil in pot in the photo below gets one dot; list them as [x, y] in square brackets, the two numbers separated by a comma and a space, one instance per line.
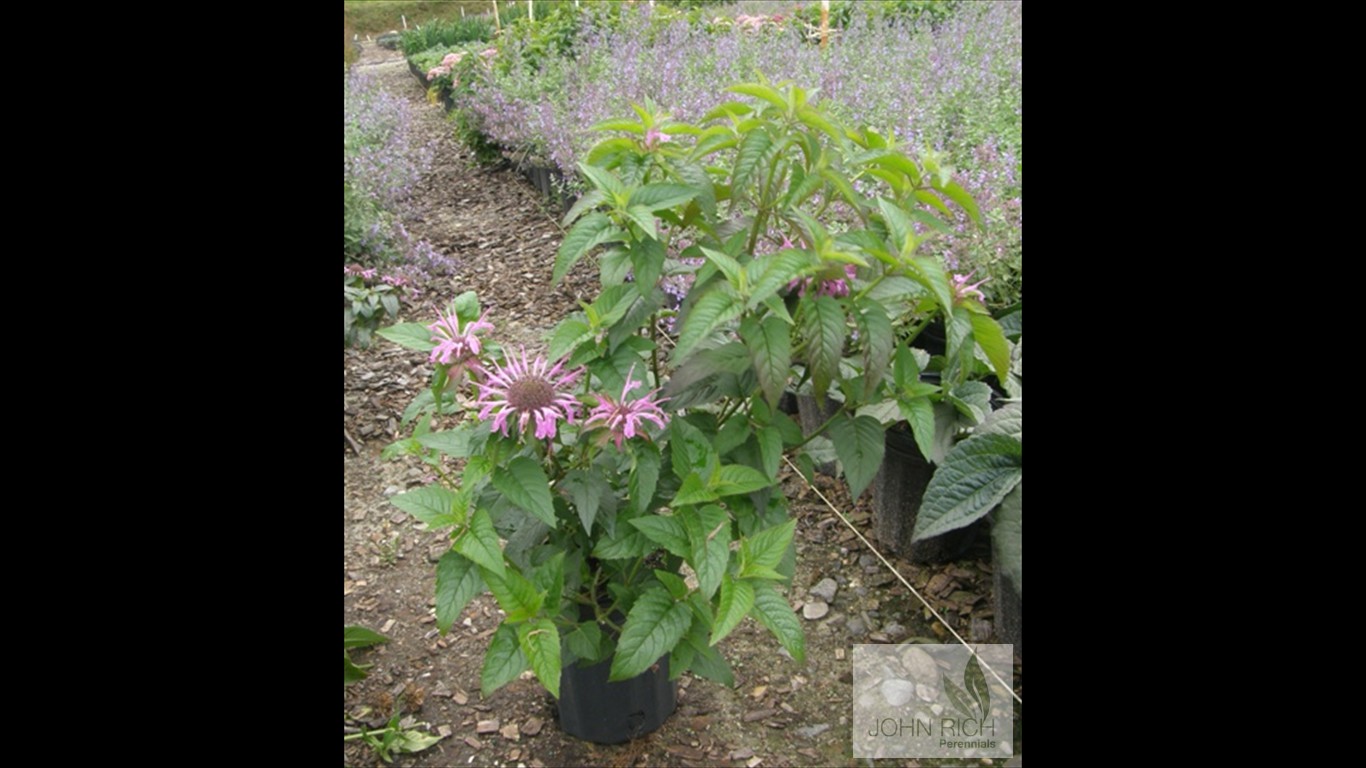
[898, 489]
[593, 709]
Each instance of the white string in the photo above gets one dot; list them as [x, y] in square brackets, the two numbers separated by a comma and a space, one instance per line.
[903, 580]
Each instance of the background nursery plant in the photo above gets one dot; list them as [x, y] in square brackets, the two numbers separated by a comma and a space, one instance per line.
[628, 452]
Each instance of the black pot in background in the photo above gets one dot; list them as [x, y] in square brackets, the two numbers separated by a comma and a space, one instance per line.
[898, 489]
[595, 710]
[812, 416]
[1007, 606]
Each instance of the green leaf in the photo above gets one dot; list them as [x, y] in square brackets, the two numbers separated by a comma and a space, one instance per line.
[431, 504]
[708, 532]
[657, 197]
[457, 582]
[644, 477]
[972, 399]
[919, 413]
[594, 229]
[760, 91]
[1007, 537]
[586, 490]
[693, 491]
[627, 544]
[1006, 420]
[737, 479]
[568, 335]
[603, 179]
[770, 450]
[664, 531]
[480, 543]
[706, 662]
[590, 200]
[956, 696]
[815, 119]
[517, 596]
[899, 226]
[411, 741]
[672, 582]
[618, 124]
[929, 273]
[653, 627]
[762, 552]
[452, 442]
[895, 161]
[525, 484]
[540, 643]
[823, 329]
[959, 195]
[769, 274]
[503, 662]
[737, 598]
[410, 335]
[644, 218]
[614, 265]
[350, 672]
[992, 341]
[752, 149]
[770, 347]
[647, 260]
[360, 637]
[974, 477]
[711, 311]
[875, 330]
[859, 442]
[585, 641]
[773, 612]
[723, 261]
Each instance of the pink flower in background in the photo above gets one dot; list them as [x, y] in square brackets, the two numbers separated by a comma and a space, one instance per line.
[525, 390]
[451, 60]
[655, 137]
[623, 417]
[456, 346]
[489, 53]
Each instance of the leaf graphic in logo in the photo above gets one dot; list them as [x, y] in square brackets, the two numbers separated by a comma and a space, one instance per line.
[957, 698]
[976, 683]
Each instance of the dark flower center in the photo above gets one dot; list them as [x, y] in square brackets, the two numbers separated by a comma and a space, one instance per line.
[531, 394]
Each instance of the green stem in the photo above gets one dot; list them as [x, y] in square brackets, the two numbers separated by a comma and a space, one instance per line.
[822, 427]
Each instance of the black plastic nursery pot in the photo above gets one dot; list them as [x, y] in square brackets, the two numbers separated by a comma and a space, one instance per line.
[1007, 609]
[593, 709]
[898, 489]
[812, 416]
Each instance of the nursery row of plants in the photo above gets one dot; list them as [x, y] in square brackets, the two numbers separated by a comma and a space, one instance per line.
[941, 79]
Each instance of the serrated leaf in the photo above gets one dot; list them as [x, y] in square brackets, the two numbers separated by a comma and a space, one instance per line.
[647, 261]
[657, 197]
[973, 478]
[568, 335]
[452, 442]
[627, 544]
[815, 119]
[769, 274]
[706, 662]
[644, 476]
[586, 490]
[712, 310]
[664, 531]
[1006, 420]
[590, 200]
[431, 504]
[480, 543]
[517, 596]
[771, 610]
[761, 91]
[672, 582]
[653, 627]
[410, 335]
[503, 662]
[752, 150]
[770, 348]
[724, 262]
[457, 582]
[859, 443]
[823, 329]
[875, 331]
[1007, 537]
[736, 479]
[899, 226]
[972, 399]
[540, 643]
[992, 341]
[763, 551]
[770, 450]
[585, 641]
[693, 490]
[603, 179]
[919, 414]
[959, 195]
[361, 637]
[594, 229]
[708, 532]
[644, 218]
[737, 598]
[525, 484]
[929, 273]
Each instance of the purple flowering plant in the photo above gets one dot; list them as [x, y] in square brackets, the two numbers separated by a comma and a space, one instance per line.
[619, 494]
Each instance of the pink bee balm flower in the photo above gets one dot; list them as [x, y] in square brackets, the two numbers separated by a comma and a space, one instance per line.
[525, 390]
[961, 289]
[623, 417]
[654, 137]
[456, 346]
[451, 60]
[489, 53]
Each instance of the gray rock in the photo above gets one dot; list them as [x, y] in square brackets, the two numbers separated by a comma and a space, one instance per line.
[919, 665]
[926, 692]
[825, 589]
[897, 692]
[812, 731]
[815, 610]
[856, 628]
[894, 631]
[866, 560]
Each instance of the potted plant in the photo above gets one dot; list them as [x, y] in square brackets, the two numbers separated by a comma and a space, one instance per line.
[618, 494]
